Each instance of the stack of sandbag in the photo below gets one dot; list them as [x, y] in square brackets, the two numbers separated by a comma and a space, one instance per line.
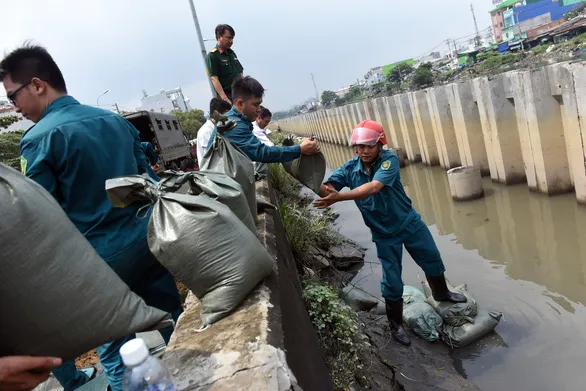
[226, 158]
[309, 170]
[199, 238]
[57, 296]
[463, 322]
[419, 315]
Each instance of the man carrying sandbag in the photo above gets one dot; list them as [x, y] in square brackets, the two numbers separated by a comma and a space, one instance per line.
[375, 185]
[247, 94]
[71, 151]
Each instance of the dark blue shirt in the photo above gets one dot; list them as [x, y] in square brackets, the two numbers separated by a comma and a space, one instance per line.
[243, 138]
[387, 212]
[71, 152]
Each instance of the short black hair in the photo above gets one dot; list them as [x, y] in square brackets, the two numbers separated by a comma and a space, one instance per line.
[264, 112]
[219, 105]
[223, 27]
[31, 61]
[245, 88]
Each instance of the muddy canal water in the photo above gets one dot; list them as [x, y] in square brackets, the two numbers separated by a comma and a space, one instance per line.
[521, 253]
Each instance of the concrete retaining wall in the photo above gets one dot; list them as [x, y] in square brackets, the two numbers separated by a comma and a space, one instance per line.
[521, 126]
[267, 344]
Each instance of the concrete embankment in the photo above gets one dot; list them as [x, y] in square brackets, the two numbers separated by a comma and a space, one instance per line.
[520, 126]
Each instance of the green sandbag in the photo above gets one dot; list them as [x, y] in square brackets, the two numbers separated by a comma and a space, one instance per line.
[412, 294]
[224, 157]
[422, 320]
[205, 245]
[453, 314]
[309, 170]
[57, 296]
[458, 337]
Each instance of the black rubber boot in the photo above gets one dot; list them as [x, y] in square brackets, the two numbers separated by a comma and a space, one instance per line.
[395, 316]
[440, 292]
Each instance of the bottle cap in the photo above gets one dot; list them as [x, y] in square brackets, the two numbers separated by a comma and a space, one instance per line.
[134, 352]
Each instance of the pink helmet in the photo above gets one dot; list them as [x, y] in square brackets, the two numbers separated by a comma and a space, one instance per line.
[368, 133]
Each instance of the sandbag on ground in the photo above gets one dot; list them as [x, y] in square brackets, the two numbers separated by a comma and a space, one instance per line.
[57, 296]
[419, 315]
[453, 314]
[205, 245]
[484, 323]
[224, 157]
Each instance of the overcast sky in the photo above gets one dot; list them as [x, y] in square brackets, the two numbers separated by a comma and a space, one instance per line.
[130, 45]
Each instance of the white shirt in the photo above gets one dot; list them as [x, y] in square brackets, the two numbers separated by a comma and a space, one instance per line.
[261, 135]
[203, 138]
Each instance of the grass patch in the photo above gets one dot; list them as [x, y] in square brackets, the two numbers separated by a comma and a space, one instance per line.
[338, 331]
[498, 60]
[540, 49]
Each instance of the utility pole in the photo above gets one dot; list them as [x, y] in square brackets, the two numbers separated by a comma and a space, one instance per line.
[202, 47]
[477, 38]
[315, 88]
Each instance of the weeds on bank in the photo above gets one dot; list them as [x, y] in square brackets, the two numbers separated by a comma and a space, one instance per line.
[10, 149]
[338, 330]
[336, 324]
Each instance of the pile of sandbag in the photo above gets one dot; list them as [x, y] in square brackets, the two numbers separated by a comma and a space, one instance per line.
[463, 323]
[57, 296]
[206, 239]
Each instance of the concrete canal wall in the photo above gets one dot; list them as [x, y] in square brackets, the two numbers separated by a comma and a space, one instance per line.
[521, 126]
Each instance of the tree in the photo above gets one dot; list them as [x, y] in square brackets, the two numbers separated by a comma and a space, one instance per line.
[328, 98]
[190, 121]
[400, 73]
[8, 120]
[10, 148]
[423, 75]
[353, 93]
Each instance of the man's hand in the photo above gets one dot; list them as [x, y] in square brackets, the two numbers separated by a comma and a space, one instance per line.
[309, 147]
[331, 198]
[23, 373]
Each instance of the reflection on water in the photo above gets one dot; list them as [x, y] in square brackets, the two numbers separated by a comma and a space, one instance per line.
[521, 253]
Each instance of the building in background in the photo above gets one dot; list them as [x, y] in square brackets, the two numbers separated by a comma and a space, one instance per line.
[342, 91]
[165, 101]
[374, 76]
[515, 20]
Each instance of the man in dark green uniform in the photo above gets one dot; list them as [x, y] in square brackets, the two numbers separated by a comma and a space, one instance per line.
[222, 63]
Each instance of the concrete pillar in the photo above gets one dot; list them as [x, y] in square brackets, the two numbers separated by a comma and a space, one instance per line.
[393, 125]
[341, 120]
[444, 131]
[499, 127]
[407, 127]
[541, 131]
[354, 115]
[330, 125]
[349, 122]
[368, 109]
[467, 126]
[424, 127]
[570, 80]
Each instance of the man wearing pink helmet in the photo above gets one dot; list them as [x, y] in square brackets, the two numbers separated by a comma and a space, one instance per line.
[375, 185]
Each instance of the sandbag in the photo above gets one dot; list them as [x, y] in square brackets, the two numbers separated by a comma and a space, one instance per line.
[453, 314]
[309, 170]
[57, 296]
[203, 244]
[422, 319]
[215, 185]
[412, 294]
[224, 157]
[358, 299]
[458, 337]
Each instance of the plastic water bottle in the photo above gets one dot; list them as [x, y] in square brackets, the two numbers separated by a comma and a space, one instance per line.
[143, 371]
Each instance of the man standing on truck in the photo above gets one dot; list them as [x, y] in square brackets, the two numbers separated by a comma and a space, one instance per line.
[375, 185]
[64, 152]
[247, 93]
[204, 133]
[222, 63]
